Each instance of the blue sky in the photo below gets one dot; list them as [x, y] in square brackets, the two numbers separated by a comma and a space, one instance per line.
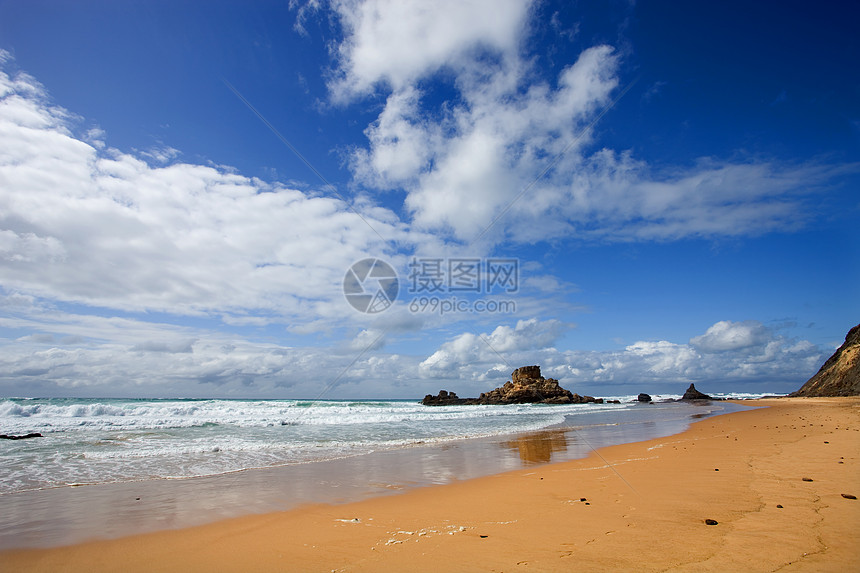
[679, 185]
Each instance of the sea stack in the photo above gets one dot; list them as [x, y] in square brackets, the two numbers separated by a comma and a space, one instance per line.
[840, 374]
[693, 394]
[526, 386]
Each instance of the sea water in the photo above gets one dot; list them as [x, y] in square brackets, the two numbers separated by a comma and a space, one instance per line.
[98, 441]
[112, 467]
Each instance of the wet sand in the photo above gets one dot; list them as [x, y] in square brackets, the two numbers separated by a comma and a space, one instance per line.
[68, 515]
[639, 506]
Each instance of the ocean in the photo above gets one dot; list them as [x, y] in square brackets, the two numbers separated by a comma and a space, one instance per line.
[121, 466]
[93, 441]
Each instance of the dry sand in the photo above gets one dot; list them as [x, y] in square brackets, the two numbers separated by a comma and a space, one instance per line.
[635, 507]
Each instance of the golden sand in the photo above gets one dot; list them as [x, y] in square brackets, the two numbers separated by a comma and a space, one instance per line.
[634, 507]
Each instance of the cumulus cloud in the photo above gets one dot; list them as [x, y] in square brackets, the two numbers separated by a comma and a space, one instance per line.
[484, 355]
[465, 161]
[726, 335]
[446, 33]
[81, 222]
[461, 170]
[729, 354]
[80, 354]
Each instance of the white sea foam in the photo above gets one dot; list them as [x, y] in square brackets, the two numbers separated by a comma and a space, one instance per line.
[96, 441]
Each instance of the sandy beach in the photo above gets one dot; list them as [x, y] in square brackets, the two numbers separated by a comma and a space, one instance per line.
[777, 480]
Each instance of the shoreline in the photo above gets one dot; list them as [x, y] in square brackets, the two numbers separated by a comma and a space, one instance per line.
[644, 509]
[67, 515]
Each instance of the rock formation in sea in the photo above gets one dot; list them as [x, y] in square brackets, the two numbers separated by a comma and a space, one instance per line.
[24, 437]
[643, 397]
[526, 386]
[840, 374]
[693, 394]
[445, 398]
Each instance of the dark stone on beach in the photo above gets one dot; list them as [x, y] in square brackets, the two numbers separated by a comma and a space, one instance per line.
[693, 394]
[643, 397]
[840, 374]
[711, 522]
[526, 386]
[778, 506]
[24, 437]
[849, 496]
[613, 401]
[807, 479]
[484, 536]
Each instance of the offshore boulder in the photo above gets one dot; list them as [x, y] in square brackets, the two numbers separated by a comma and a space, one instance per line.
[526, 386]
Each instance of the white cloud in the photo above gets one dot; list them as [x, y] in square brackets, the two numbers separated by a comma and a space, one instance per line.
[727, 335]
[727, 355]
[303, 13]
[76, 354]
[461, 171]
[367, 340]
[397, 43]
[464, 161]
[66, 353]
[480, 355]
[617, 198]
[160, 154]
[83, 224]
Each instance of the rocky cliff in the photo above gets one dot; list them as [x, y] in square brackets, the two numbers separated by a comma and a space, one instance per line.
[840, 374]
[526, 386]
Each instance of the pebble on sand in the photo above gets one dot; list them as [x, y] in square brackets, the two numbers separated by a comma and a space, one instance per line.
[849, 496]
[711, 522]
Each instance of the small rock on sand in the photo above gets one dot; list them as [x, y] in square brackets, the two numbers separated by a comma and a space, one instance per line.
[711, 522]
[807, 479]
[849, 496]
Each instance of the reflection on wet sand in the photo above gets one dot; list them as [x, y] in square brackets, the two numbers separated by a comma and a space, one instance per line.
[538, 447]
[62, 516]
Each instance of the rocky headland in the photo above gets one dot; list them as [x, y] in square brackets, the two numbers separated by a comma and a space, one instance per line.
[840, 374]
[526, 386]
